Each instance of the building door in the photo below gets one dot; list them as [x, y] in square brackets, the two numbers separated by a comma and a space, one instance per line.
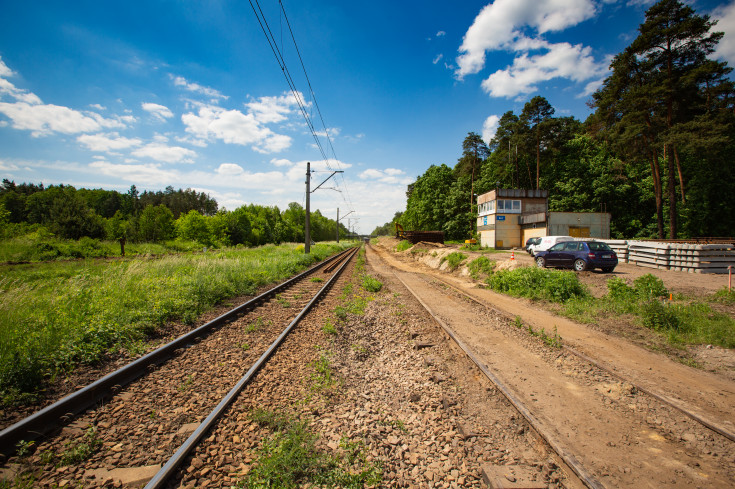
[579, 232]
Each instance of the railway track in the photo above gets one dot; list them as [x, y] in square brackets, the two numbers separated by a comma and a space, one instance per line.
[151, 413]
[589, 465]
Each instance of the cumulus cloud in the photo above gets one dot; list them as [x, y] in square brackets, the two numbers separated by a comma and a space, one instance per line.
[274, 109]
[517, 26]
[26, 111]
[230, 169]
[159, 112]
[234, 127]
[387, 176]
[180, 81]
[107, 142]
[562, 60]
[162, 152]
[489, 127]
[725, 16]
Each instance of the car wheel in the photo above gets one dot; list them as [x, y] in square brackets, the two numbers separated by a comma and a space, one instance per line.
[608, 269]
[540, 262]
[580, 265]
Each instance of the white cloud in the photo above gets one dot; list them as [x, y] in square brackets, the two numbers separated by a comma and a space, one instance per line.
[725, 16]
[43, 120]
[387, 176]
[180, 81]
[273, 109]
[489, 127]
[234, 127]
[281, 162]
[562, 60]
[438, 58]
[229, 169]
[28, 112]
[516, 26]
[159, 112]
[498, 25]
[135, 173]
[441, 34]
[161, 152]
[98, 106]
[107, 142]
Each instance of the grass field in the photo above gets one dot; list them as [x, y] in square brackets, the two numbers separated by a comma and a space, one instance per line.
[56, 315]
[683, 321]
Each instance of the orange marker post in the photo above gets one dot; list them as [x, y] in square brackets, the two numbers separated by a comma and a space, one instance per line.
[512, 255]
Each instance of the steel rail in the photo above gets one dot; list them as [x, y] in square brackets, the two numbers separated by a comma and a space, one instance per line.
[52, 416]
[569, 459]
[169, 469]
[707, 423]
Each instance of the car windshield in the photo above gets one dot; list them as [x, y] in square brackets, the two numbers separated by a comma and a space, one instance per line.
[598, 246]
[557, 247]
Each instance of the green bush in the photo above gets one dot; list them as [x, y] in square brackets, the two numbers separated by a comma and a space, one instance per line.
[649, 287]
[538, 283]
[454, 259]
[655, 315]
[403, 245]
[481, 266]
[371, 284]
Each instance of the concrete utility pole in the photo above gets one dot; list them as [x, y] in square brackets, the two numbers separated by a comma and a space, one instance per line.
[307, 227]
[336, 225]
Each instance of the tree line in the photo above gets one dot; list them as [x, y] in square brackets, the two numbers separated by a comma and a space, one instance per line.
[656, 152]
[71, 213]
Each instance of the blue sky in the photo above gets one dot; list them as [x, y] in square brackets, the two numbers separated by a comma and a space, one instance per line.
[189, 94]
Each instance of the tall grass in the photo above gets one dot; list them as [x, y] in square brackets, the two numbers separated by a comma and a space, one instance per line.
[43, 246]
[679, 322]
[54, 316]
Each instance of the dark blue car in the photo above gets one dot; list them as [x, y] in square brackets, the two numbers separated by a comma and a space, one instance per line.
[579, 255]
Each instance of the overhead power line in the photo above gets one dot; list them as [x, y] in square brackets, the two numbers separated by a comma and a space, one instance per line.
[278, 53]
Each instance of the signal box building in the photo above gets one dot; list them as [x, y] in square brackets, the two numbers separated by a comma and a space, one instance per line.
[508, 217]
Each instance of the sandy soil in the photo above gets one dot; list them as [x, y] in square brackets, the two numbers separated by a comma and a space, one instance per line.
[690, 285]
[602, 418]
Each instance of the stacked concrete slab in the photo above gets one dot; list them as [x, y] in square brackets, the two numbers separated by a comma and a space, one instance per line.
[684, 257]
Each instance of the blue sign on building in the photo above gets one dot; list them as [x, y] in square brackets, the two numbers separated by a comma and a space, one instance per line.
[484, 220]
[501, 218]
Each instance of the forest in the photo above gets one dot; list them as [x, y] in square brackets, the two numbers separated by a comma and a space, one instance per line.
[656, 152]
[153, 217]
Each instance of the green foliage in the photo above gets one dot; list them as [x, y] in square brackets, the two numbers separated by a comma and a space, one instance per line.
[725, 296]
[454, 259]
[78, 451]
[481, 266]
[289, 458]
[537, 283]
[56, 315]
[329, 328]
[403, 245]
[371, 284]
[649, 287]
[679, 322]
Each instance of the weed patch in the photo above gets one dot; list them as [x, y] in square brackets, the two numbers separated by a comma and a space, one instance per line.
[481, 267]
[403, 245]
[454, 260]
[679, 322]
[289, 458]
[537, 283]
[371, 284]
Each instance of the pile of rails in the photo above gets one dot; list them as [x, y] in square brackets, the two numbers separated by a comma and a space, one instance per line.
[416, 236]
[678, 256]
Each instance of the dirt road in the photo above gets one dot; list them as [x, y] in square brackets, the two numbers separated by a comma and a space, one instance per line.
[625, 438]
